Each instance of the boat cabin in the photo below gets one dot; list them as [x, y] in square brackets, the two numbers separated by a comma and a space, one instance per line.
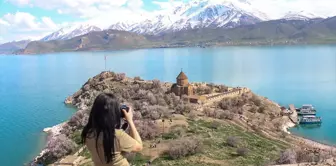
[307, 107]
[310, 119]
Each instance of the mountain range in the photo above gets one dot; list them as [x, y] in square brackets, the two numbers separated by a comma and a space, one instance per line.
[193, 15]
[205, 21]
[314, 31]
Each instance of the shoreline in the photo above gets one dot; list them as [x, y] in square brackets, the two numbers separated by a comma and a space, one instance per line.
[51, 132]
[187, 46]
[315, 143]
[308, 141]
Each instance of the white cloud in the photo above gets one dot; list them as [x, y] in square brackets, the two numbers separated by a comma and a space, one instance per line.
[170, 4]
[20, 2]
[49, 23]
[134, 4]
[77, 7]
[22, 20]
[3, 22]
[21, 25]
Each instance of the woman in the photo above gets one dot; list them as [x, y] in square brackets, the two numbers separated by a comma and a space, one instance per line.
[102, 134]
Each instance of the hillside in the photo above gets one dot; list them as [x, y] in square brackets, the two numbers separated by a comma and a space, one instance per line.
[315, 31]
[102, 40]
[10, 47]
[239, 128]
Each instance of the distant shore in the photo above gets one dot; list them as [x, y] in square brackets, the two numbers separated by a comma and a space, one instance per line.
[215, 45]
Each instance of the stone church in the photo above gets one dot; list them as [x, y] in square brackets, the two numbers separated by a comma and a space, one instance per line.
[182, 86]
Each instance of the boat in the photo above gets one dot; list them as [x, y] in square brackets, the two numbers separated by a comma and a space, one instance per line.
[310, 119]
[307, 109]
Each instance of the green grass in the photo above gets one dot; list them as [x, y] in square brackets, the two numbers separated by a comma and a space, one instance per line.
[260, 148]
[170, 135]
[139, 159]
[85, 153]
[76, 137]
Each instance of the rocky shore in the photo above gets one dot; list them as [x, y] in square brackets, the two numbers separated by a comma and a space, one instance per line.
[152, 101]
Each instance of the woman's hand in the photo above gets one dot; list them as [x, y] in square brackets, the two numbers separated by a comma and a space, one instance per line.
[128, 115]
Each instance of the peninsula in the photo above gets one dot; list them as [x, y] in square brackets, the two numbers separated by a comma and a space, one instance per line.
[186, 123]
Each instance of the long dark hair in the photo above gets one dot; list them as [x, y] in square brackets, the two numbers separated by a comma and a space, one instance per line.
[104, 117]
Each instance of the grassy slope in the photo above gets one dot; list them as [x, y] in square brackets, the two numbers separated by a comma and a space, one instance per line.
[215, 151]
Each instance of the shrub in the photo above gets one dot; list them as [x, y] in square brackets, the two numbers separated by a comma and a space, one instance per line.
[147, 129]
[225, 104]
[60, 146]
[184, 147]
[287, 157]
[253, 109]
[156, 84]
[178, 130]
[137, 115]
[192, 115]
[182, 108]
[125, 94]
[172, 100]
[156, 112]
[136, 105]
[76, 137]
[242, 151]
[151, 98]
[137, 78]
[262, 109]
[120, 76]
[161, 102]
[209, 112]
[232, 141]
[215, 125]
[305, 156]
[79, 119]
[222, 88]
[237, 110]
[66, 129]
[226, 115]
[256, 100]
[201, 90]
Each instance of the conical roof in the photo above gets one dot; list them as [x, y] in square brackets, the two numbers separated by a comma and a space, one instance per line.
[182, 76]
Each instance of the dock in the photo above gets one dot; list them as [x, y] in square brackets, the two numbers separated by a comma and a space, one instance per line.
[294, 116]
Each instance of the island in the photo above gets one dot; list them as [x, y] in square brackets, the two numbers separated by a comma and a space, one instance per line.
[187, 123]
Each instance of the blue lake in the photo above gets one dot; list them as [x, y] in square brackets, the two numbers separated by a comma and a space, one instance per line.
[33, 87]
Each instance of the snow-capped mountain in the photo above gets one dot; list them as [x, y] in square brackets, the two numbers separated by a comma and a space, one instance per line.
[198, 14]
[302, 15]
[71, 32]
[190, 15]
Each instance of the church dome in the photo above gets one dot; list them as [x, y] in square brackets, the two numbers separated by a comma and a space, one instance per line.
[182, 76]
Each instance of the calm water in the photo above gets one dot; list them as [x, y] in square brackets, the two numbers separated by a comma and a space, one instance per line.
[32, 88]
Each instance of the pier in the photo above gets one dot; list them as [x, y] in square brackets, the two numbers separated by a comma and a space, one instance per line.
[293, 116]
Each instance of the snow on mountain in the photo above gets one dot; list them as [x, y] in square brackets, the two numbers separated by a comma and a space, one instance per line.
[190, 15]
[71, 32]
[198, 14]
[302, 15]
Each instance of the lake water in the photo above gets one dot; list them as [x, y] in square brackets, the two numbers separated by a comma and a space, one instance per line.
[33, 88]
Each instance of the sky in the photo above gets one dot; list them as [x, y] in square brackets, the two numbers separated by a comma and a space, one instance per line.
[34, 19]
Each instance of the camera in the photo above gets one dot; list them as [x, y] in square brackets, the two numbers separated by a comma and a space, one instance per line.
[123, 107]
[124, 125]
